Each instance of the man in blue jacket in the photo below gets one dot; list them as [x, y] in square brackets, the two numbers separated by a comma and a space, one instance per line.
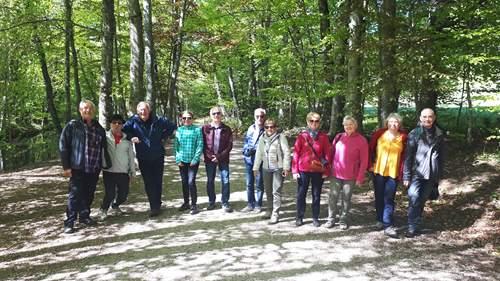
[423, 166]
[149, 133]
[82, 145]
[255, 184]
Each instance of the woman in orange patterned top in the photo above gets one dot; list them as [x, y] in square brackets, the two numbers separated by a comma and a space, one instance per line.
[387, 146]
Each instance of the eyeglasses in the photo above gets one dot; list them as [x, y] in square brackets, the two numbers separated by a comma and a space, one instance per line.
[269, 127]
[216, 113]
[187, 118]
[116, 123]
[314, 121]
[259, 116]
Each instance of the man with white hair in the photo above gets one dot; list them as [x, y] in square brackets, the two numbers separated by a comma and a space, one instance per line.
[423, 166]
[82, 145]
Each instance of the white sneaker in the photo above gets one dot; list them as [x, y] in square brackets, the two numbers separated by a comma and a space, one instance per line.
[103, 214]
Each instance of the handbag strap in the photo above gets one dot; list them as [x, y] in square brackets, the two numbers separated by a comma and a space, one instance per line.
[312, 148]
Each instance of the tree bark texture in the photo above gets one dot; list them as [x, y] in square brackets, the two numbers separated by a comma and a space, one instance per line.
[106, 83]
[68, 10]
[149, 53]
[136, 54]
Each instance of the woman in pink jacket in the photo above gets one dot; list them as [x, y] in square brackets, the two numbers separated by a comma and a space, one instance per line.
[349, 163]
[311, 158]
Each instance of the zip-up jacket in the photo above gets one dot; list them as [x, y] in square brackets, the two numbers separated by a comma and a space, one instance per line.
[122, 155]
[272, 151]
[225, 145]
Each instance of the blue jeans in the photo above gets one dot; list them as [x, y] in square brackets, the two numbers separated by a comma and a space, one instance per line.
[418, 192]
[385, 191]
[316, 181]
[152, 175]
[188, 177]
[211, 169]
[255, 192]
[81, 191]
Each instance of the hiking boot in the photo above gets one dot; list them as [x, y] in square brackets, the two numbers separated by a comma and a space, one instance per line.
[154, 213]
[391, 232]
[316, 223]
[411, 234]
[329, 224]
[68, 229]
[227, 209]
[379, 226]
[210, 206]
[247, 209]
[194, 210]
[103, 214]
[298, 222]
[183, 207]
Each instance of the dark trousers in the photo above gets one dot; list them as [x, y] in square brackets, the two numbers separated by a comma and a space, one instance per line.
[385, 191]
[418, 193]
[116, 187]
[152, 175]
[316, 181]
[80, 195]
[188, 177]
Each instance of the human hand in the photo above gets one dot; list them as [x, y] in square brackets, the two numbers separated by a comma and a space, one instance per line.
[406, 183]
[285, 173]
[135, 140]
[214, 159]
[181, 164]
[296, 176]
[67, 173]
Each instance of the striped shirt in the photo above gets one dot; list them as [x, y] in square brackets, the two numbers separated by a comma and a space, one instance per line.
[188, 144]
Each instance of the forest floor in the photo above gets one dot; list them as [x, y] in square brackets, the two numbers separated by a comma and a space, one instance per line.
[460, 240]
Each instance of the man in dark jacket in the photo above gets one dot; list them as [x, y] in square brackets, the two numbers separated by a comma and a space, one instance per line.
[217, 144]
[423, 166]
[149, 133]
[82, 145]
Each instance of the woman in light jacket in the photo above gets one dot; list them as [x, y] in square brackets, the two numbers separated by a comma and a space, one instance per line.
[349, 163]
[273, 154]
[311, 156]
[387, 146]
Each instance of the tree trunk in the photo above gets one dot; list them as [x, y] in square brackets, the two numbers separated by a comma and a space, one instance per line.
[389, 99]
[149, 54]
[68, 10]
[220, 100]
[136, 54]
[176, 59]
[106, 84]
[354, 68]
[48, 84]
[233, 94]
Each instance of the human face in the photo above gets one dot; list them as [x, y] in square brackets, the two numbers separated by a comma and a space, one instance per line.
[393, 124]
[187, 119]
[349, 127]
[270, 129]
[427, 117]
[143, 112]
[116, 126]
[216, 115]
[87, 112]
[260, 117]
[313, 123]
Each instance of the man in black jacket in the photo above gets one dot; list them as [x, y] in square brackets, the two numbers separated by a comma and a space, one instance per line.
[82, 146]
[423, 166]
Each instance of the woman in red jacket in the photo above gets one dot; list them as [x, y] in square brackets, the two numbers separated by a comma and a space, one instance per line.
[311, 155]
[387, 146]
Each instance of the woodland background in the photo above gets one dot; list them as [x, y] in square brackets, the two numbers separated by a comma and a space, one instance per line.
[336, 57]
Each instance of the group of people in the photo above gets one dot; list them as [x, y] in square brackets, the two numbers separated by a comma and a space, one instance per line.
[391, 156]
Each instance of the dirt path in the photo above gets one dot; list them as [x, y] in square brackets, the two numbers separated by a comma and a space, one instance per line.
[461, 237]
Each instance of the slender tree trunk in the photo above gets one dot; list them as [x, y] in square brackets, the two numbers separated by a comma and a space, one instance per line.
[136, 54]
[106, 84]
[220, 100]
[389, 99]
[149, 53]
[233, 94]
[176, 59]
[354, 68]
[48, 84]
[68, 9]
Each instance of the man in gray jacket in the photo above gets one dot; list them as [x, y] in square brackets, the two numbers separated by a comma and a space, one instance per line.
[423, 166]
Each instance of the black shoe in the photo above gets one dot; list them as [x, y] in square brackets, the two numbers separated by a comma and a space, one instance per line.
[411, 234]
[88, 222]
[298, 222]
[69, 229]
[391, 232]
[227, 209]
[316, 223]
[194, 210]
[211, 206]
[154, 213]
[183, 207]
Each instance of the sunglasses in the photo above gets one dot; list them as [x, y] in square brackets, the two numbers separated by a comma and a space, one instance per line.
[314, 121]
[259, 116]
[116, 123]
[269, 127]
[187, 118]
[216, 113]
